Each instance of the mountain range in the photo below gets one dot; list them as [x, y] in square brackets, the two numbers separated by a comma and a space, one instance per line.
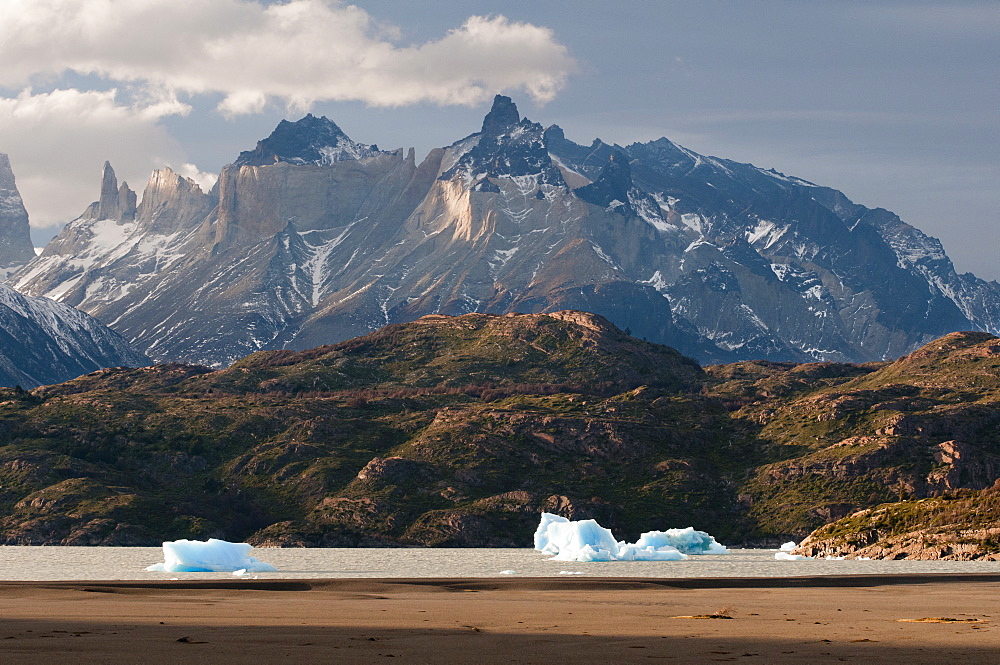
[312, 238]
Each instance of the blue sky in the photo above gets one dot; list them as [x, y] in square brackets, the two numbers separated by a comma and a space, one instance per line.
[895, 103]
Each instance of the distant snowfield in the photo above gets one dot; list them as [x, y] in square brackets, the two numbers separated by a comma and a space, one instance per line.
[18, 563]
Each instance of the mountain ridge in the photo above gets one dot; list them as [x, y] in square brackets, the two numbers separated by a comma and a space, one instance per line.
[44, 342]
[721, 260]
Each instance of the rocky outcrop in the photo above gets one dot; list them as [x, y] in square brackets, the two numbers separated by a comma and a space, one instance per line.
[15, 240]
[116, 203]
[961, 526]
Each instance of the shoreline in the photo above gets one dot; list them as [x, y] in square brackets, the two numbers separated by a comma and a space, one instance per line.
[858, 618]
[511, 583]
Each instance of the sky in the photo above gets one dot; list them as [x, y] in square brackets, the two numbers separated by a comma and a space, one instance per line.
[895, 103]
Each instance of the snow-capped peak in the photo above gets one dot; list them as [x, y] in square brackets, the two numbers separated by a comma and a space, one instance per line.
[310, 140]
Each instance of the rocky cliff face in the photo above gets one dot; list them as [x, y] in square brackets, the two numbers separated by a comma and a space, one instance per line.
[312, 238]
[15, 240]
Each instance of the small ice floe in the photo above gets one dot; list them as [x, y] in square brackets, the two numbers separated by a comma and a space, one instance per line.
[586, 540]
[240, 573]
[784, 552]
[210, 556]
[508, 572]
[786, 556]
[571, 572]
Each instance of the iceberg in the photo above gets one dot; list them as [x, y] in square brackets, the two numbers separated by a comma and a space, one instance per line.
[209, 556]
[686, 540]
[632, 552]
[586, 540]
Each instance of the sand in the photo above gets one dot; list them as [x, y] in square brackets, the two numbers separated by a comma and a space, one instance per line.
[542, 620]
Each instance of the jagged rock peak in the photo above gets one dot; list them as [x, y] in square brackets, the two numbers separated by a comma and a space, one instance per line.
[15, 239]
[117, 203]
[508, 145]
[502, 116]
[310, 140]
[6, 172]
[109, 191]
[172, 202]
[554, 133]
[617, 169]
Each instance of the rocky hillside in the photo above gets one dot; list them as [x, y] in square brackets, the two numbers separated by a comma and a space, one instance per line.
[312, 238]
[848, 437]
[443, 431]
[460, 430]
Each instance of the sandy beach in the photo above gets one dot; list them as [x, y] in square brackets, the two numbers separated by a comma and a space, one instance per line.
[795, 620]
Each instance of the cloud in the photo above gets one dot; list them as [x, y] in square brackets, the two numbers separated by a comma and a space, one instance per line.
[120, 68]
[299, 52]
[204, 179]
[59, 140]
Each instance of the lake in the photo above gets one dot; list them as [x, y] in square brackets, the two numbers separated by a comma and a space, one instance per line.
[128, 563]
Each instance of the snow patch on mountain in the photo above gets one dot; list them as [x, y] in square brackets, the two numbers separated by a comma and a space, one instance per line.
[657, 282]
[343, 150]
[766, 233]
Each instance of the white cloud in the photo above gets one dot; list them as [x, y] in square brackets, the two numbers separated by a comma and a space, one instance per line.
[299, 52]
[58, 142]
[204, 179]
[158, 55]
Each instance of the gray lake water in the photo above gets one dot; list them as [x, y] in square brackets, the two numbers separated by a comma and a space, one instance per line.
[128, 563]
